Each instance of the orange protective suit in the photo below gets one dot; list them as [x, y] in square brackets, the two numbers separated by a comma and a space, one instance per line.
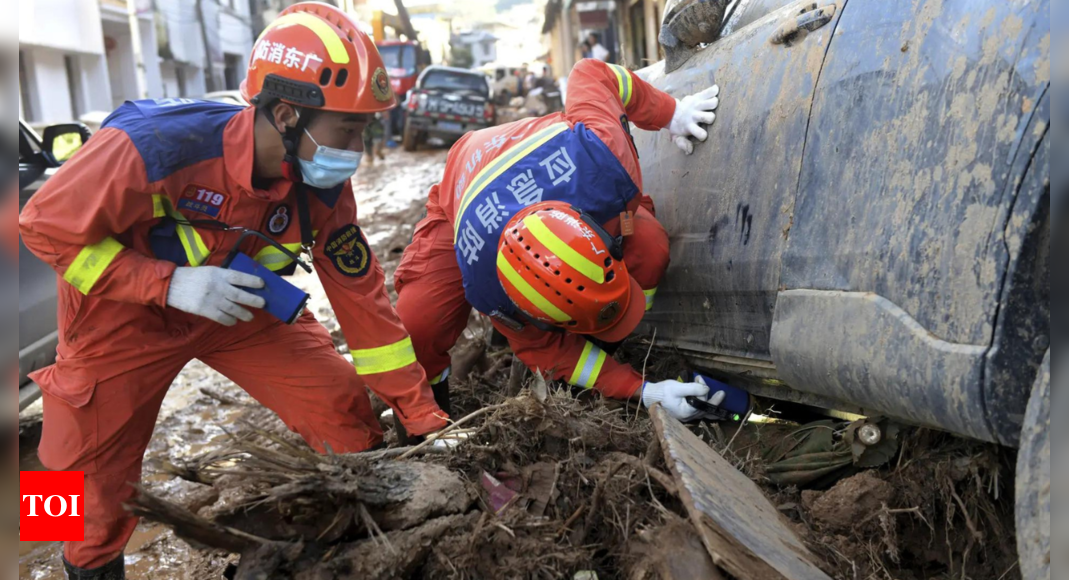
[432, 302]
[116, 221]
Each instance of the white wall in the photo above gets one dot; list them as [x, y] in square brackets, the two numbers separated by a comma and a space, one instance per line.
[194, 77]
[235, 35]
[183, 30]
[96, 86]
[50, 92]
[71, 25]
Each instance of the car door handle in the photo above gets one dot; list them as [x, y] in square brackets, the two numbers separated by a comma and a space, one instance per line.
[811, 18]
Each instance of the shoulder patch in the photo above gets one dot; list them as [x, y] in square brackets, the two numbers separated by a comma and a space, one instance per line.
[347, 250]
[278, 221]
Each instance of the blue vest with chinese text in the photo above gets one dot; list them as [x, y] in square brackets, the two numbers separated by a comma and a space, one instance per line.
[555, 164]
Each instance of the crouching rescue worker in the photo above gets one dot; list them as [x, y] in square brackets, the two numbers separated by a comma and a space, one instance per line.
[542, 225]
[137, 225]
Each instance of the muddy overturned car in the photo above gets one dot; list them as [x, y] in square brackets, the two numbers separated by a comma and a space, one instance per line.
[867, 228]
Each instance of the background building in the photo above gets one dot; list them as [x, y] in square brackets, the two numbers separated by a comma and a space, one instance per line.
[480, 44]
[628, 28]
[78, 57]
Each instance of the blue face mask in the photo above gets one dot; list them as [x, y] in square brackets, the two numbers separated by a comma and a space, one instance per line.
[329, 167]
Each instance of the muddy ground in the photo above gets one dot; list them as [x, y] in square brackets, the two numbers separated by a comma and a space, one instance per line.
[577, 482]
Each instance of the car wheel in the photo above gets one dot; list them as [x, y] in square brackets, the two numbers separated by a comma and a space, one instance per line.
[410, 140]
[1033, 482]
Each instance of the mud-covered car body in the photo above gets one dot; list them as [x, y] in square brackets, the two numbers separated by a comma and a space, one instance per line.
[867, 227]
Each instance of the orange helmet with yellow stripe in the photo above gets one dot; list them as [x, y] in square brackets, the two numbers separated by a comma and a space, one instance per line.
[561, 268]
[314, 55]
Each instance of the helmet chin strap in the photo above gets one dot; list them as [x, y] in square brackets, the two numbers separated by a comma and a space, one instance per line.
[291, 140]
[291, 171]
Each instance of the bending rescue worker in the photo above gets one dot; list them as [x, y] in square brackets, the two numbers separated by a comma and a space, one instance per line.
[542, 225]
[137, 224]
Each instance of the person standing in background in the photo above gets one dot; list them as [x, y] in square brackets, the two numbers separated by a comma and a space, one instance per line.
[597, 51]
[584, 50]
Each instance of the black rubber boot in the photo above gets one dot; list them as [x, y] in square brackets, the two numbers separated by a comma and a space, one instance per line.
[441, 396]
[114, 570]
[403, 438]
[445, 403]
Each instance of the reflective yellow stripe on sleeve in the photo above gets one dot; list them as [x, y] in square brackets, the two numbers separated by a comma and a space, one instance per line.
[650, 294]
[91, 263]
[274, 259]
[589, 367]
[384, 359]
[625, 82]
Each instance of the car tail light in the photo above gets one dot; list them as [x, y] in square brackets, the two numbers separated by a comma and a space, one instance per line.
[488, 112]
[413, 104]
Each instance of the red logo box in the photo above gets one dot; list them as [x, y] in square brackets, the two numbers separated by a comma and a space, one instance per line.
[52, 506]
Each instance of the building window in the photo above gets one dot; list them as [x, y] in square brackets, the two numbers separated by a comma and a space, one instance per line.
[180, 77]
[234, 71]
[74, 85]
[24, 89]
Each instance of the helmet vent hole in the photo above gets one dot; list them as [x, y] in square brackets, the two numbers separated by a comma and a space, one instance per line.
[343, 76]
[567, 280]
[325, 76]
[546, 264]
[608, 262]
[610, 276]
[556, 273]
[573, 323]
[528, 248]
[537, 257]
[581, 288]
[570, 302]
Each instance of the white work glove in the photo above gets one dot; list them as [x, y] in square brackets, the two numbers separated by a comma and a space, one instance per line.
[672, 395]
[214, 293]
[691, 113]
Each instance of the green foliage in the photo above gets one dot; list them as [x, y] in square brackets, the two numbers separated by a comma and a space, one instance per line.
[460, 56]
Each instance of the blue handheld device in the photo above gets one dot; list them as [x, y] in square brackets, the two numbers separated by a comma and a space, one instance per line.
[735, 407]
[285, 301]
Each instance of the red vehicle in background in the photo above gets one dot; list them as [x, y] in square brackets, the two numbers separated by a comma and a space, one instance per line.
[404, 61]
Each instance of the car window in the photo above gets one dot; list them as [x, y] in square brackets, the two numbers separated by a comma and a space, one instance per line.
[456, 82]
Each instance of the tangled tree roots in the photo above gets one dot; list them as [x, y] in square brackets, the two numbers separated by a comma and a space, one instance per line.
[582, 487]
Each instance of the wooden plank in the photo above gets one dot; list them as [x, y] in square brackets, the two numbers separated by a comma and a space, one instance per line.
[741, 529]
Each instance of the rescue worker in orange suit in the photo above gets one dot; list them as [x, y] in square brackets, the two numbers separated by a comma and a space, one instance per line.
[541, 225]
[133, 224]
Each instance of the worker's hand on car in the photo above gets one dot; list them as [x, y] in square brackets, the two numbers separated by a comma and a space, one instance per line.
[672, 395]
[215, 294]
[691, 113]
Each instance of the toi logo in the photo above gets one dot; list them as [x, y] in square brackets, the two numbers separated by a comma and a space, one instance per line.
[52, 506]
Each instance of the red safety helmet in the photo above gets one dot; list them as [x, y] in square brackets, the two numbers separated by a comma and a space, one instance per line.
[561, 268]
[314, 55]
